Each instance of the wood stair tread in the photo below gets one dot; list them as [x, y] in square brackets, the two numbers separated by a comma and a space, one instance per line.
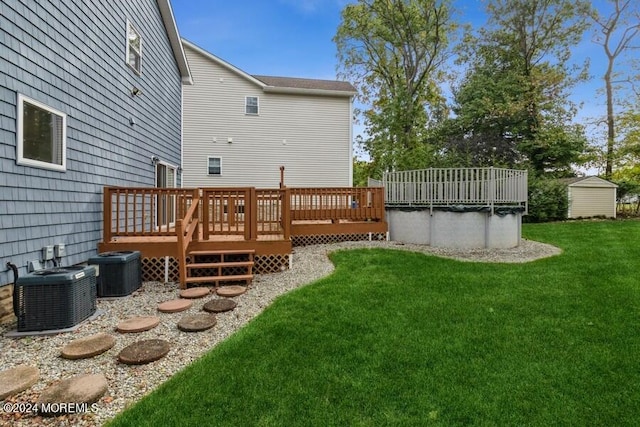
[219, 278]
[221, 264]
[223, 252]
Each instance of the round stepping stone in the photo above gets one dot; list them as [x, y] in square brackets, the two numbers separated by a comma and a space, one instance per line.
[231, 291]
[84, 348]
[77, 390]
[17, 379]
[197, 322]
[193, 293]
[142, 352]
[219, 305]
[138, 324]
[175, 305]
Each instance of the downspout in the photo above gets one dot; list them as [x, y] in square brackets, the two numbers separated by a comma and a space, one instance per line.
[351, 141]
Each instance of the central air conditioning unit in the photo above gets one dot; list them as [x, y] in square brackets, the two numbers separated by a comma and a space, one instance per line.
[119, 273]
[54, 298]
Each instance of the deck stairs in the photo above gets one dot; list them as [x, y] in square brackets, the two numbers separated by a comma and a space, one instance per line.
[219, 267]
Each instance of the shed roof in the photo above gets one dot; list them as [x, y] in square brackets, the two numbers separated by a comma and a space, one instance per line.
[587, 181]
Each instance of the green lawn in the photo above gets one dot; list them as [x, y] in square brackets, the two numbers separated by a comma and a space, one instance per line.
[398, 338]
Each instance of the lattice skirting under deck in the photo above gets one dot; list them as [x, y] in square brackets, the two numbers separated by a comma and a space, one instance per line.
[166, 268]
[320, 239]
[155, 269]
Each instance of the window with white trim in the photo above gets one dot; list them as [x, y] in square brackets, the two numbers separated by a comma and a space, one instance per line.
[214, 166]
[251, 105]
[42, 135]
[134, 48]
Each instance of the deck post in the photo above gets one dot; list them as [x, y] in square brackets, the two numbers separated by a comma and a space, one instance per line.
[182, 262]
[251, 214]
[206, 203]
[196, 214]
[106, 220]
[231, 211]
[380, 200]
[286, 213]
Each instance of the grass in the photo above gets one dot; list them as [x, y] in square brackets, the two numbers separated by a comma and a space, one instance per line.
[397, 338]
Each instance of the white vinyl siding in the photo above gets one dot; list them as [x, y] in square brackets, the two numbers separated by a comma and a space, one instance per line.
[592, 197]
[309, 135]
[585, 202]
[42, 135]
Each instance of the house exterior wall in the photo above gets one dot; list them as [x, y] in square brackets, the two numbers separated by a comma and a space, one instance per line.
[310, 135]
[71, 56]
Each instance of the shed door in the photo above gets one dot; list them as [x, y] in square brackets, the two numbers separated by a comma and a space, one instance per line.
[588, 202]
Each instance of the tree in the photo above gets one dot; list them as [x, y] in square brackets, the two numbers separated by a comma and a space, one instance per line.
[393, 52]
[513, 97]
[628, 158]
[617, 33]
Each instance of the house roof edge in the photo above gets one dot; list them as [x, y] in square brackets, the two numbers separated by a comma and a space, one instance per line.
[222, 62]
[174, 39]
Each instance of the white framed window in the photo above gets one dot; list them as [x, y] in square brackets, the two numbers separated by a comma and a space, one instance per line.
[214, 166]
[134, 48]
[42, 135]
[251, 105]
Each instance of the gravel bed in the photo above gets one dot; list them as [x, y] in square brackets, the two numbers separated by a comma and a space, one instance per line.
[127, 384]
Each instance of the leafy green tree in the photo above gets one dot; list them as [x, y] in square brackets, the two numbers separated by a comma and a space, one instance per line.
[511, 108]
[394, 51]
[628, 156]
[361, 173]
[616, 33]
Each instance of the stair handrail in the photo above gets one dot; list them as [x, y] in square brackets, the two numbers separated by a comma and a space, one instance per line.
[186, 228]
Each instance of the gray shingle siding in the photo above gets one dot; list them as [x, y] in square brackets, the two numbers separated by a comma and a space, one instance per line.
[70, 55]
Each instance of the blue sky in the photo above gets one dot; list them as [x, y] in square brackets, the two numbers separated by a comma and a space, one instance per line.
[290, 38]
[293, 38]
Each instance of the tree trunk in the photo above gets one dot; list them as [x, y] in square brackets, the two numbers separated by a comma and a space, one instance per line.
[611, 135]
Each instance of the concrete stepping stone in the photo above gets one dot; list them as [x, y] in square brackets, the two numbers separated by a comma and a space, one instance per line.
[194, 293]
[91, 346]
[231, 291]
[219, 305]
[138, 324]
[67, 396]
[17, 379]
[197, 322]
[145, 351]
[175, 305]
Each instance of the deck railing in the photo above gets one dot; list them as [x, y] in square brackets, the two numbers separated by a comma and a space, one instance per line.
[465, 186]
[187, 230]
[246, 212]
[144, 211]
[346, 203]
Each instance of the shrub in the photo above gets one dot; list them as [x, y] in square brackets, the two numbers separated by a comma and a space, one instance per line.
[548, 200]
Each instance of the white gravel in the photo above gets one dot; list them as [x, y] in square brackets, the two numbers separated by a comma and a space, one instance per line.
[127, 384]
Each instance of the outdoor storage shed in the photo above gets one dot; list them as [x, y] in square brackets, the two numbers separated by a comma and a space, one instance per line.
[591, 196]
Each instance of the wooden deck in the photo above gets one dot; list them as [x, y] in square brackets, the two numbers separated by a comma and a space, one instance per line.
[170, 222]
